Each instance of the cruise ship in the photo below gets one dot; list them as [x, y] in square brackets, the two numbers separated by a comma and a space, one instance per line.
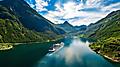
[55, 47]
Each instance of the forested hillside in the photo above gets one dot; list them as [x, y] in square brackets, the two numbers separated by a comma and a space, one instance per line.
[107, 33]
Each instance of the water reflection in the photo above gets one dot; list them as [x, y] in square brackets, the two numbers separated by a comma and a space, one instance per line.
[77, 54]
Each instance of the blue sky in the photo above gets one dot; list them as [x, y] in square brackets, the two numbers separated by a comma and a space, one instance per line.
[77, 12]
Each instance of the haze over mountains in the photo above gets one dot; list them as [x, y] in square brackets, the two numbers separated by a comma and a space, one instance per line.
[73, 30]
[66, 26]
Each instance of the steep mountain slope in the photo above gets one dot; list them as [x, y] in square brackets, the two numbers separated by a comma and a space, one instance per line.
[29, 17]
[11, 29]
[106, 27]
[20, 23]
[107, 33]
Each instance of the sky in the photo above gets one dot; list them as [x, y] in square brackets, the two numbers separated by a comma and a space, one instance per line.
[76, 12]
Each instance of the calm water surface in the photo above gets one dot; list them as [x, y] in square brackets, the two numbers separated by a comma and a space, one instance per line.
[75, 53]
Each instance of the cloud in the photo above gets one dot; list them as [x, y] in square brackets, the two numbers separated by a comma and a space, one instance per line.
[92, 17]
[112, 7]
[77, 12]
[40, 5]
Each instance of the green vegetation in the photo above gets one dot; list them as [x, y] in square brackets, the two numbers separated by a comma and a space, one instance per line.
[80, 35]
[106, 27]
[109, 47]
[13, 30]
[107, 35]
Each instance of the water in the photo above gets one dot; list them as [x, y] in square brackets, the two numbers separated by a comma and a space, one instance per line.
[75, 53]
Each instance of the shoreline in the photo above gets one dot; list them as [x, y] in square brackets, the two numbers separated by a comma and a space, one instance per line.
[106, 57]
[9, 46]
[6, 46]
[109, 58]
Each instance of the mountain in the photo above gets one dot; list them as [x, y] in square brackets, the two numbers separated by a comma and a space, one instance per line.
[20, 23]
[72, 30]
[106, 27]
[107, 33]
[11, 29]
[66, 26]
[80, 28]
[29, 17]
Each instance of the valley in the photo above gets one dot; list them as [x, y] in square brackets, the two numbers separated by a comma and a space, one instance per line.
[26, 38]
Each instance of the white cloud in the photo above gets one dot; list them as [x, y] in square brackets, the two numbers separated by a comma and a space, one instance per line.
[89, 18]
[40, 4]
[71, 9]
[32, 5]
[52, 17]
[112, 7]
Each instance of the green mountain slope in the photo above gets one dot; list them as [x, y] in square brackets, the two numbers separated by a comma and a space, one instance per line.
[107, 33]
[11, 29]
[20, 23]
[106, 27]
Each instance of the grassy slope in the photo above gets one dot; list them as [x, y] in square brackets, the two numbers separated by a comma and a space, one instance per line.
[108, 36]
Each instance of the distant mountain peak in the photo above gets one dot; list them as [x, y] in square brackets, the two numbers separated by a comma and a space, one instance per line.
[67, 23]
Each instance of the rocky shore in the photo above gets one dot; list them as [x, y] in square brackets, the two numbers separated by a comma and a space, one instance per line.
[6, 46]
[105, 55]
